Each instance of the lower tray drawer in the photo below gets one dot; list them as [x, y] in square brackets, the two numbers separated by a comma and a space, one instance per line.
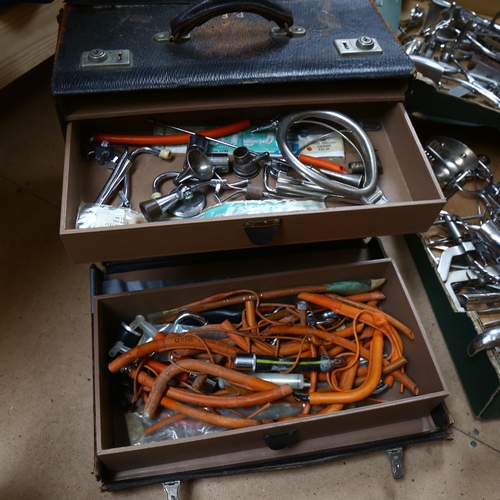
[399, 415]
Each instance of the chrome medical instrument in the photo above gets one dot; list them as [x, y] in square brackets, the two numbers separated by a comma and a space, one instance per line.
[122, 169]
[186, 200]
[369, 193]
[453, 34]
[197, 165]
[246, 165]
[461, 249]
[487, 340]
[467, 249]
[417, 15]
[454, 164]
[450, 159]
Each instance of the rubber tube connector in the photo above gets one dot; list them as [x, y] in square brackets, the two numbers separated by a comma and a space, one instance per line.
[165, 154]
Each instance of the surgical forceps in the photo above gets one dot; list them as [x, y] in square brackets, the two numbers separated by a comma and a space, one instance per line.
[122, 169]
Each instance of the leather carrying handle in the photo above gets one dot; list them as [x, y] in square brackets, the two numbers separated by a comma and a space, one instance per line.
[182, 24]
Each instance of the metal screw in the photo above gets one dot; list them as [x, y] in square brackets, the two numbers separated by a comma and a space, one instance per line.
[365, 42]
[97, 55]
[298, 30]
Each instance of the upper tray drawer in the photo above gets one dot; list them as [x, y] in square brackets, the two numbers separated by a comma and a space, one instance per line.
[413, 197]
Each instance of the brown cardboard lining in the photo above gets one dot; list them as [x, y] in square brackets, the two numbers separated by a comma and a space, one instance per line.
[247, 444]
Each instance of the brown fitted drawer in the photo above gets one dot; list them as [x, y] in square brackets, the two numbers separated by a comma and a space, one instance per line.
[406, 179]
[402, 415]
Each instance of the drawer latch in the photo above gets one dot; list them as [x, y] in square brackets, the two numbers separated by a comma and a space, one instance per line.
[261, 232]
[279, 440]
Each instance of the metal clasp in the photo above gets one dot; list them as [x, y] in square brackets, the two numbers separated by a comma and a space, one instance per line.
[396, 458]
[171, 489]
[99, 58]
[364, 45]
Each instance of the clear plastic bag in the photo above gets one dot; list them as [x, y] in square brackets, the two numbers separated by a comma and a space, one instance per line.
[188, 427]
[263, 207]
[92, 215]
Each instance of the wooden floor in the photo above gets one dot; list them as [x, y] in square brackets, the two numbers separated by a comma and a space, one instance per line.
[28, 35]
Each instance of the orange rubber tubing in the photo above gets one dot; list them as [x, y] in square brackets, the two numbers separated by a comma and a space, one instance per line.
[162, 423]
[376, 295]
[214, 302]
[241, 341]
[166, 140]
[321, 163]
[250, 316]
[160, 385]
[373, 318]
[171, 342]
[346, 384]
[393, 321]
[211, 418]
[184, 396]
[386, 370]
[362, 392]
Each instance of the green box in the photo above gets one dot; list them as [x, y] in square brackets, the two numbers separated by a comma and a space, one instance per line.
[480, 374]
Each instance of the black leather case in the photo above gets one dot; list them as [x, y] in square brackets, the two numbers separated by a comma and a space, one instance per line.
[232, 49]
